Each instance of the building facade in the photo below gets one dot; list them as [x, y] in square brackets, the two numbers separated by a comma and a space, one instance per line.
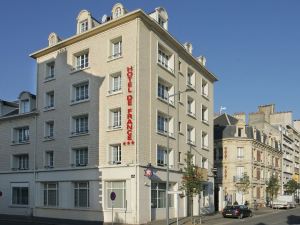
[242, 150]
[100, 121]
[288, 133]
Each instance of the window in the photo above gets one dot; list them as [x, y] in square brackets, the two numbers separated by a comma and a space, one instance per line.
[165, 58]
[116, 118]
[118, 12]
[81, 92]
[191, 135]
[21, 135]
[161, 21]
[162, 124]
[161, 156]
[116, 48]
[20, 194]
[81, 194]
[191, 107]
[204, 140]
[258, 174]
[24, 106]
[158, 196]
[204, 114]
[191, 78]
[49, 132]
[115, 82]
[50, 70]
[119, 187]
[239, 172]
[179, 127]
[204, 88]
[82, 61]
[51, 194]
[81, 157]
[204, 163]
[240, 153]
[21, 162]
[81, 124]
[83, 26]
[115, 154]
[49, 159]
[49, 100]
[164, 90]
[240, 130]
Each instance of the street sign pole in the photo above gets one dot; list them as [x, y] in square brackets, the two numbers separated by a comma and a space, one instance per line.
[112, 198]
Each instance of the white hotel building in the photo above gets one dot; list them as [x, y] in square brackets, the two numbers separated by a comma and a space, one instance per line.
[100, 117]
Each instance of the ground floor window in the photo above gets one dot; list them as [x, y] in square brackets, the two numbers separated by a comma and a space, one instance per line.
[81, 194]
[158, 196]
[50, 194]
[20, 195]
[205, 196]
[119, 187]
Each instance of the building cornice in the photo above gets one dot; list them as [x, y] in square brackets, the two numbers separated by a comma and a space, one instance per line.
[19, 116]
[116, 22]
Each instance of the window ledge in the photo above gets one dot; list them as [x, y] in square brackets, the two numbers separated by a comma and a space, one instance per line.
[205, 122]
[181, 73]
[110, 129]
[111, 58]
[74, 102]
[20, 143]
[166, 69]
[112, 93]
[193, 115]
[79, 134]
[191, 86]
[74, 70]
[49, 108]
[171, 135]
[48, 139]
[49, 79]
[205, 96]
[193, 143]
[205, 148]
[18, 206]
[165, 101]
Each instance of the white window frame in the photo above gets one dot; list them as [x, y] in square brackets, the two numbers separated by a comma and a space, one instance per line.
[110, 188]
[191, 134]
[21, 162]
[22, 135]
[115, 117]
[80, 124]
[191, 78]
[83, 26]
[81, 60]
[116, 48]
[78, 187]
[204, 88]
[81, 156]
[204, 114]
[115, 83]
[191, 106]
[81, 91]
[46, 192]
[49, 159]
[240, 153]
[24, 106]
[115, 154]
[50, 71]
[49, 100]
[204, 140]
[49, 129]
[161, 156]
[20, 201]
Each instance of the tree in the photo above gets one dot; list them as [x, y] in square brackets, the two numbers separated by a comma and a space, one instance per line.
[291, 187]
[242, 185]
[192, 179]
[273, 186]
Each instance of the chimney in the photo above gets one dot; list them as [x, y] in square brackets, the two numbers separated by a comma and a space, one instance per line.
[202, 60]
[240, 116]
[189, 47]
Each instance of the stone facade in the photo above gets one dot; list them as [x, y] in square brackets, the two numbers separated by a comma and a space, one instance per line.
[99, 120]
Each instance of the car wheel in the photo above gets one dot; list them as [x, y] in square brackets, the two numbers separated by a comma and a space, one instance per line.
[241, 216]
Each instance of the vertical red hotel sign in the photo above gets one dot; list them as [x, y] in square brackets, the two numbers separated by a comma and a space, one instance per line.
[129, 100]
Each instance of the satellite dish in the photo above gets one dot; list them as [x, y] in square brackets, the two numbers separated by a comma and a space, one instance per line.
[104, 18]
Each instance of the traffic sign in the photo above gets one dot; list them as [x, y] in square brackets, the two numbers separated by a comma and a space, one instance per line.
[113, 196]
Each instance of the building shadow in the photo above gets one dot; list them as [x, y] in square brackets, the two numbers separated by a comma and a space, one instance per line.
[292, 219]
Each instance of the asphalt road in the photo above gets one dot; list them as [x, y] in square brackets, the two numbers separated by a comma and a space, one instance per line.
[278, 217]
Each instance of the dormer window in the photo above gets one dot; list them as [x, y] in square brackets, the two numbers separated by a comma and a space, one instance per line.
[161, 21]
[118, 12]
[84, 26]
[24, 106]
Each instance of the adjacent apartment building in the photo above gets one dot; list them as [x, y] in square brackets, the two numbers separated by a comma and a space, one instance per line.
[289, 133]
[240, 150]
[99, 122]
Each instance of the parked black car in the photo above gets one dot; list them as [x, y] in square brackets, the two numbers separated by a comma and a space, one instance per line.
[237, 211]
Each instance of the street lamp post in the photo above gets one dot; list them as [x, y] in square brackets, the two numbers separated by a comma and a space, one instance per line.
[168, 143]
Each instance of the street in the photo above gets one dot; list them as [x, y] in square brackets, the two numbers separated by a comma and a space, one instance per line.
[277, 217]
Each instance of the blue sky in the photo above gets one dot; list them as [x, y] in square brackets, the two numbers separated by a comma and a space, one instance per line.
[252, 46]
